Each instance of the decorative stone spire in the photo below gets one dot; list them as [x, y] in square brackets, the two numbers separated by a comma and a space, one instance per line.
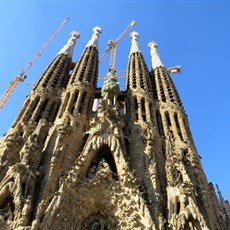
[156, 61]
[134, 47]
[94, 40]
[68, 48]
[110, 89]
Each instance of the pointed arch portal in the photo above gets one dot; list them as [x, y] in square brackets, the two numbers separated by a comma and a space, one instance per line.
[103, 154]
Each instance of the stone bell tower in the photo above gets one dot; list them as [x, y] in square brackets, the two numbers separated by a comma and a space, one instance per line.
[190, 203]
[129, 164]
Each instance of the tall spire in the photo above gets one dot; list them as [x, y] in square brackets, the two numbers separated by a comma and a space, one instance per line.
[94, 40]
[134, 47]
[68, 48]
[156, 61]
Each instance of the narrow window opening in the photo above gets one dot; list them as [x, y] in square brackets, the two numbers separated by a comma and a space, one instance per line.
[89, 109]
[54, 111]
[143, 104]
[154, 88]
[44, 105]
[47, 79]
[31, 109]
[81, 76]
[89, 74]
[136, 116]
[64, 81]
[42, 110]
[141, 80]
[143, 109]
[178, 208]
[168, 119]
[75, 97]
[136, 108]
[23, 189]
[83, 98]
[178, 126]
[44, 138]
[151, 112]
[136, 104]
[159, 123]
[134, 81]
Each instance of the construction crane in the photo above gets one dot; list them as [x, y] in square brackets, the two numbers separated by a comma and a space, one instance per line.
[175, 69]
[112, 46]
[21, 76]
[171, 70]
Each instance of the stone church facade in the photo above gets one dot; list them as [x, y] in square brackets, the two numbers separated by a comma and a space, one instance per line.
[128, 163]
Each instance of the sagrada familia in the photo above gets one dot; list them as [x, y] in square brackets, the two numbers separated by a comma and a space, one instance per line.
[82, 157]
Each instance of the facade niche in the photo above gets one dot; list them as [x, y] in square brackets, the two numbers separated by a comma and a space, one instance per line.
[7, 208]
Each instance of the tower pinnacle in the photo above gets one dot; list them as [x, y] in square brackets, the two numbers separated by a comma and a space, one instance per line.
[156, 61]
[134, 47]
[94, 40]
[68, 48]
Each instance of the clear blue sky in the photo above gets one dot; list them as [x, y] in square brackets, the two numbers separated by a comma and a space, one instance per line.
[194, 34]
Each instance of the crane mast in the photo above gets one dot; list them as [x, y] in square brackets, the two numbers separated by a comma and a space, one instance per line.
[113, 44]
[21, 77]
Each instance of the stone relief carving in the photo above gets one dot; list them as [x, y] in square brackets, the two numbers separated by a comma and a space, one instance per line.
[64, 126]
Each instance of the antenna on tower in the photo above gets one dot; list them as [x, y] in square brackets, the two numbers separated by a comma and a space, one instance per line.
[21, 76]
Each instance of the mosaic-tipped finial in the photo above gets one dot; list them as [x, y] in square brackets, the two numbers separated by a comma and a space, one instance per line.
[156, 61]
[69, 47]
[94, 40]
[135, 46]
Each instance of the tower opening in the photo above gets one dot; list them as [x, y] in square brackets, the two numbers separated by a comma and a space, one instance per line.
[102, 157]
